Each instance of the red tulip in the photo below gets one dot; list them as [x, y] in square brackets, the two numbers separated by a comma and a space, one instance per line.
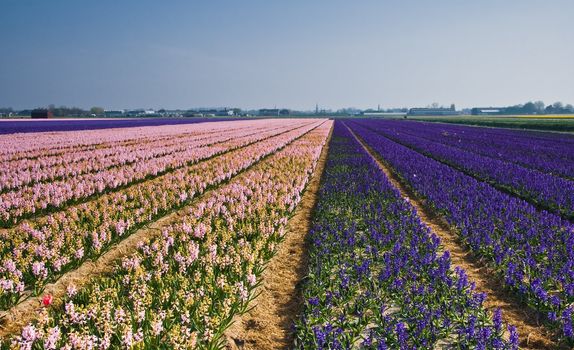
[47, 300]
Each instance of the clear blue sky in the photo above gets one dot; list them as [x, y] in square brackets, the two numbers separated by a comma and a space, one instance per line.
[179, 54]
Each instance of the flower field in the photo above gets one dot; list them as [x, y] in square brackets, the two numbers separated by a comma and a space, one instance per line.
[185, 219]
[181, 290]
[36, 252]
[377, 279]
[530, 249]
[147, 159]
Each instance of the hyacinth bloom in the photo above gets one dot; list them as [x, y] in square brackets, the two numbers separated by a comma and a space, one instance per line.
[377, 279]
[52, 245]
[530, 249]
[181, 289]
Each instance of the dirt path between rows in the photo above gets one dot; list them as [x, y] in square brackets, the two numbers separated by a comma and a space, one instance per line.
[533, 334]
[268, 325]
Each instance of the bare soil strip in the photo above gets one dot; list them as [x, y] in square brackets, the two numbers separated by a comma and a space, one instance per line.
[14, 319]
[533, 334]
[268, 325]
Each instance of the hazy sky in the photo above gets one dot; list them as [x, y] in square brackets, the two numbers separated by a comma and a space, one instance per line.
[180, 54]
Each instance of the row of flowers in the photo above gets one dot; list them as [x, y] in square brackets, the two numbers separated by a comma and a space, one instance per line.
[181, 290]
[52, 155]
[27, 171]
[38, 144]
[36, 252]
[43, 197]
[550, 153]
[532, 251]
[377, 279]
[551, 192]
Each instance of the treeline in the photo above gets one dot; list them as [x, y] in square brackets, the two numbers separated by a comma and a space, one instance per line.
[62, 111]
[539, 107]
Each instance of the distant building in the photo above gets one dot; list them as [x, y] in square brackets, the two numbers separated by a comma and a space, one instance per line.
[41, 114]
[274, 112]
[170, 113]
[433, 111]
[487, 110]
[140, 113]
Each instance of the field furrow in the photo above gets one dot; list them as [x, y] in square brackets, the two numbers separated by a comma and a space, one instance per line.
[269, 322]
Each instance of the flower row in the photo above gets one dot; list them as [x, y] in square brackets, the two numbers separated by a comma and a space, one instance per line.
[37, 144]
[27, 171]
[550, 153]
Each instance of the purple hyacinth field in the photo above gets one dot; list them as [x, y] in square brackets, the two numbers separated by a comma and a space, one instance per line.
[506, 196]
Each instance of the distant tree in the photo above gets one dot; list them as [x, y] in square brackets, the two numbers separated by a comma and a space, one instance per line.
[56, 111]
[435, 105]
[529, 108]
[558, 105]
[97, 111]
[539, 106]
[569, 108]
